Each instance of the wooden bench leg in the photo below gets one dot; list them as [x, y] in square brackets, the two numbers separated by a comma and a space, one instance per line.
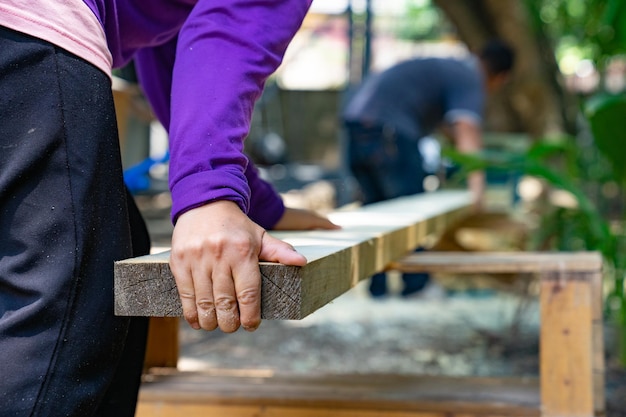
[571, 341]
[162, 347]
[571, 348]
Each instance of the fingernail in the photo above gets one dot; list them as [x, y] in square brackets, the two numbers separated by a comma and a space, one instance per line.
[250, 328]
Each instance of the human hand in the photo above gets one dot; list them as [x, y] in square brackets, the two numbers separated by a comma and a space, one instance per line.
[299, 219]
[215, 257]
[477, 185]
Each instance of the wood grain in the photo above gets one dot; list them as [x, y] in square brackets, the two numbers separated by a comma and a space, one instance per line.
[380, 395]
[571, 340]
[370, 238]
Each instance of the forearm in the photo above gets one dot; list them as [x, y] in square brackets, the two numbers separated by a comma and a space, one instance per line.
[468, 139]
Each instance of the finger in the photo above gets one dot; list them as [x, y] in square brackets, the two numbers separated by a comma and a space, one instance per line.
[324, 223]
[226, 308]
[248, 290]
[205, 304]
[275, 250]
[184, 284]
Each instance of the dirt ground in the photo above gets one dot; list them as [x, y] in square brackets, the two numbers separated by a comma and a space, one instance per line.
[435, 333]
[443, 331]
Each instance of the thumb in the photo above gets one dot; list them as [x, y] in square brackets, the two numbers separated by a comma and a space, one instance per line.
[275, 250]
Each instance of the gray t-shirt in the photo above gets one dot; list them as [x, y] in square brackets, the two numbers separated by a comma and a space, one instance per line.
[416, 96]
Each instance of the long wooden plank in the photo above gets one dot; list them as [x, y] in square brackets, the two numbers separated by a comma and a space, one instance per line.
[370, 238]
[336, 395]
[499, 262]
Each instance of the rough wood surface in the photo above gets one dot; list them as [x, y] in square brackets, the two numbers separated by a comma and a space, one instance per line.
[571, 341]
[239, 394]
[572, 369]
[370, 238]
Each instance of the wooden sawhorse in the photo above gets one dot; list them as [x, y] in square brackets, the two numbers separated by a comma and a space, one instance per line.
[571, 381]
[374, 238]
[571, 339]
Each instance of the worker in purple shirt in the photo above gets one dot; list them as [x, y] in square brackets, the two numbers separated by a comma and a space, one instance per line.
[65, 215]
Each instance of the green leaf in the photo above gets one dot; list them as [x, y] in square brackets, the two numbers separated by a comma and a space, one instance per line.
[606, 114]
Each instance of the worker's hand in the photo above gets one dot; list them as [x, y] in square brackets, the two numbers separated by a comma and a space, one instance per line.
[468, 139]
[299, 219]
[477, 184]
[215, 257]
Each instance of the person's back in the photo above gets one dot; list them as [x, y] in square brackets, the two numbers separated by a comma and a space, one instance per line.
[415, 96]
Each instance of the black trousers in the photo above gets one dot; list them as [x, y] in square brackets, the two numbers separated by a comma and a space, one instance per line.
[65, 217]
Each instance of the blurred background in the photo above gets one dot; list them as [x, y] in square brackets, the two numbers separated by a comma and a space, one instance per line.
[555, 136]
[567, 52]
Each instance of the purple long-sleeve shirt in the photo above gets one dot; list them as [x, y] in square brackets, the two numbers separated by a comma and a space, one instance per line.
[203, 64]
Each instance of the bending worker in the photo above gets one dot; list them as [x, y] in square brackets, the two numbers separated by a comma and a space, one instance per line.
[393, 110]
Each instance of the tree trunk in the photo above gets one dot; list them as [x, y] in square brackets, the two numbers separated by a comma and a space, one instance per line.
[532, 101]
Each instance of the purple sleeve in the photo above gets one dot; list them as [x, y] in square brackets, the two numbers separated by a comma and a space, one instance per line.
[154, 71]
[224, 54]
[266, 206]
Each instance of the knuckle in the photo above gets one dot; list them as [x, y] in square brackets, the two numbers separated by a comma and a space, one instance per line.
[186, 295]
[243, 245]
[228, 321]
[214, 244]
[249, 296]
[178, 253]
[227, 314]
[188, 250]
[206, 305]
[226, 303]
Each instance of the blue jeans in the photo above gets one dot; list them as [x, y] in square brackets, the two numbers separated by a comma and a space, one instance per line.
[386, 165]
[412, 283]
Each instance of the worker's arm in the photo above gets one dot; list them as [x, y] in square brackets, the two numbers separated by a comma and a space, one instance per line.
[467, 136]
[208, 82]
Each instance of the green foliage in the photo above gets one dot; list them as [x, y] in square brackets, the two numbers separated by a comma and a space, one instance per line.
[606, 114]
[421, 21]
[569, 230]
[564, 165]
[563, 228]
[586, 29]
[612, 35]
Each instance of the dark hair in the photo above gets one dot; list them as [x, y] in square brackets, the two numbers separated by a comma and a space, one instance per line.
[497, 56]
